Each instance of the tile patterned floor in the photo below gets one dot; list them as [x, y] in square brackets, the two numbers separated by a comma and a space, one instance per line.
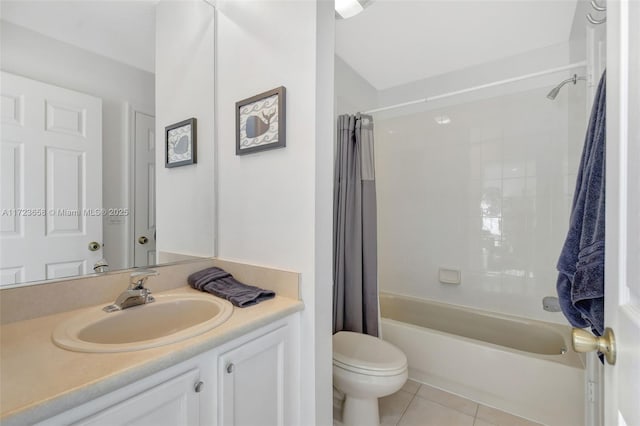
[422, 405]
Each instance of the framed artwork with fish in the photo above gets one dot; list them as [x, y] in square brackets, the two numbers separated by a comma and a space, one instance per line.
[260, 122]
[180, 140]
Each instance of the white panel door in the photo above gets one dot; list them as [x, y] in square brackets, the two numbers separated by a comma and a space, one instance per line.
[252, 380]
[173, 403]
[622, 264]
[51, 181]
[145, 191]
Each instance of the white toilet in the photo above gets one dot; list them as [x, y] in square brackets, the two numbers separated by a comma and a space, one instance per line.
[365, 368]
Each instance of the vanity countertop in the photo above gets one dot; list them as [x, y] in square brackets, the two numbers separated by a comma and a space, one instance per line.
[39, 379]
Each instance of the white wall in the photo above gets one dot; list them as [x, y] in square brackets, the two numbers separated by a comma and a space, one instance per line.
[513, 66]
[184, 89]
[507, 146]
[30, 54]
[322, 382]
[275, 206]
[488, 194]
[353, 93]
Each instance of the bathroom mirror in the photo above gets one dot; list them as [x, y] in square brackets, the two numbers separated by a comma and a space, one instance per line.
[78, 138]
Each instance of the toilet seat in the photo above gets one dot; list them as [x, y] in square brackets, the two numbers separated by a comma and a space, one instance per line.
[367, 355]
[366, 372]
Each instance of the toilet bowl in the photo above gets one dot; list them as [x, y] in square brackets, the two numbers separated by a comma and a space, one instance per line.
[365, 368]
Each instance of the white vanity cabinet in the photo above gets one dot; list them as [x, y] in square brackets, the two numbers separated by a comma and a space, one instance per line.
[248, 381]
[251, 382]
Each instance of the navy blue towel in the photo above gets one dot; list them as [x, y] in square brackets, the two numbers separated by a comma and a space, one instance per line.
[220, 283]
[580, 283]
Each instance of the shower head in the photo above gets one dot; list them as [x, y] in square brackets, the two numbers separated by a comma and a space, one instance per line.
[554, 92]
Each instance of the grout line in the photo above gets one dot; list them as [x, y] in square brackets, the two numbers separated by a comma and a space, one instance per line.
[475, 416]
[407, 407]
[451, 408]
[417, 389]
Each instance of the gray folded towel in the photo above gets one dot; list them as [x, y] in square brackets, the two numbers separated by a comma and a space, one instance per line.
[220, 283]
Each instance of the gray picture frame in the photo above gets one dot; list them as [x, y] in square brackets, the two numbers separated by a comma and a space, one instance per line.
[189, 136]
[261, 122]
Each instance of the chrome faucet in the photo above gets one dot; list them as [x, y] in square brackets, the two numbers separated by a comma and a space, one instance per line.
[136, 294]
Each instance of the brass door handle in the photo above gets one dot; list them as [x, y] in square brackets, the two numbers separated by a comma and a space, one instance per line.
[143, 240]
[583, 341]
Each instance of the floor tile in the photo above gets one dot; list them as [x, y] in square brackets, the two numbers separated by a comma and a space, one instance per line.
[393, 406]
[422, 412]
[411, 386]
[448, 399]
[500, 418]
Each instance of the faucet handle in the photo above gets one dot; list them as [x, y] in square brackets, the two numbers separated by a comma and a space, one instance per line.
[139, 278]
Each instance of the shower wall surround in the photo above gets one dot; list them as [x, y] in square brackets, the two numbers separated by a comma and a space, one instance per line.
[487, 192]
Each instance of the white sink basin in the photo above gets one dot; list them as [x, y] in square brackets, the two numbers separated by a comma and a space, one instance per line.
[171, 318]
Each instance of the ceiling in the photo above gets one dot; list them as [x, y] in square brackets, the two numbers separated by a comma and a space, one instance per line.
[393, 42]
[120, 30]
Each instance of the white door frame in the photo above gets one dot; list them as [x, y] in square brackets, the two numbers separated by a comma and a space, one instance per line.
[622, 283]
[130, 134]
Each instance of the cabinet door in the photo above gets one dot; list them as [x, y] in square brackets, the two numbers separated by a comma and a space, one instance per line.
[172, 403]
[252, 379]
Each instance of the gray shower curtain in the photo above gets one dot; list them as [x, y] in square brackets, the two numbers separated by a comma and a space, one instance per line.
[355, 277]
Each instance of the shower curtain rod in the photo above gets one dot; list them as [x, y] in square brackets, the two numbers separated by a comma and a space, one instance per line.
[479, 87]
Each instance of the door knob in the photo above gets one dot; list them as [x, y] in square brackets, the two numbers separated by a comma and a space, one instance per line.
[94, 246]
[583, 341]
[143, 240]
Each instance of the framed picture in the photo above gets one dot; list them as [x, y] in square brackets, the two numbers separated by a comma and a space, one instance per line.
[180, 139]
[260, 122]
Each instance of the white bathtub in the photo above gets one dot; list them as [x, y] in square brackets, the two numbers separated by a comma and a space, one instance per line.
[521, 366]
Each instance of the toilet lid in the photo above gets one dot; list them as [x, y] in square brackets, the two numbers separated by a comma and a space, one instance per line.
[364, 352]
